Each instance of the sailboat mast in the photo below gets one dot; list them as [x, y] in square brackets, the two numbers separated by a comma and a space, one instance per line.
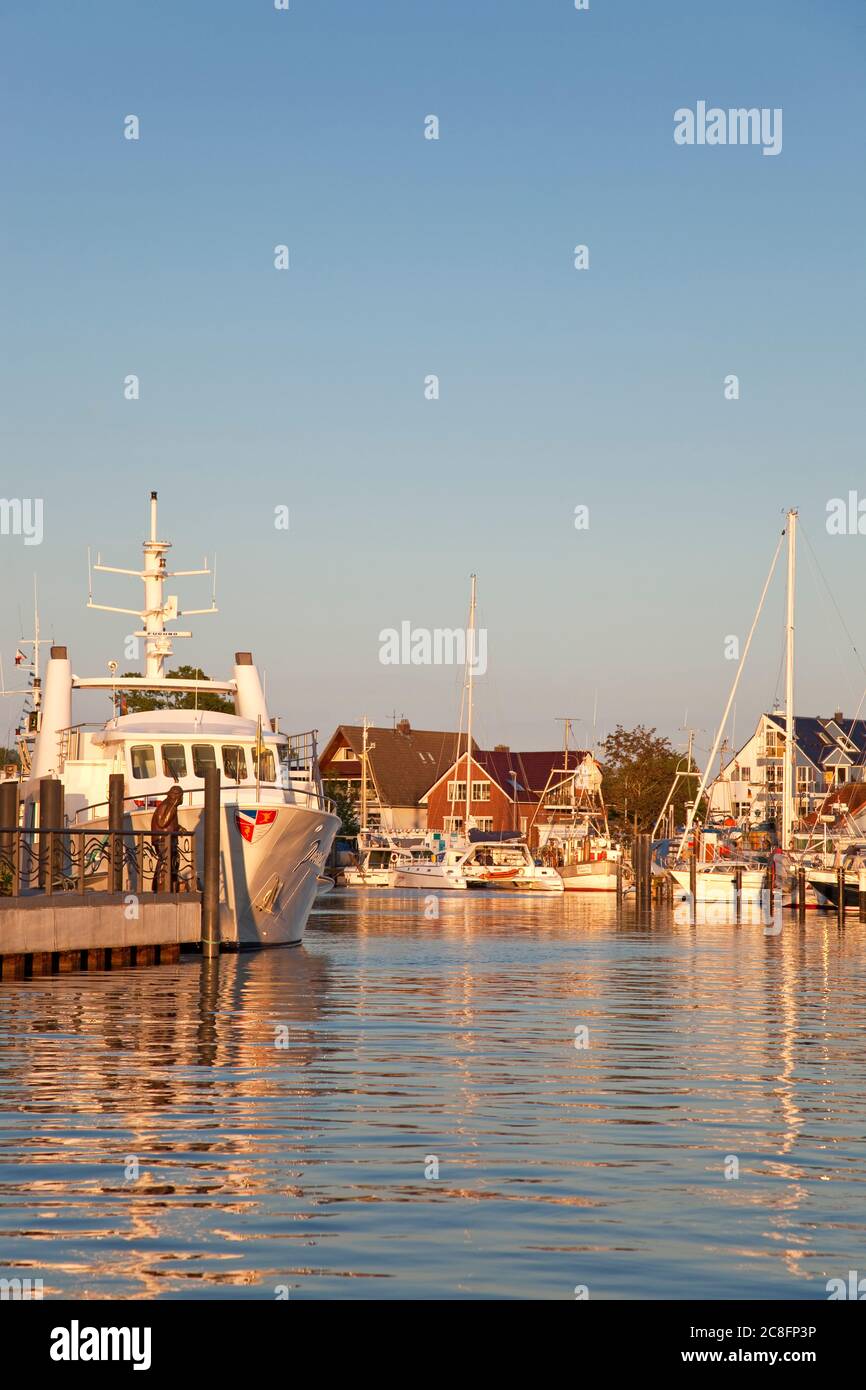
[364, 777]
[470, 649]
[789, 771]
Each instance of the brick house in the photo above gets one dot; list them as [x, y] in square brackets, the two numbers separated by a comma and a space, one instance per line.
[402, 764]
[514, 791]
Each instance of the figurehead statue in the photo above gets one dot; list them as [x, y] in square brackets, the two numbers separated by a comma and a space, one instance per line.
[164, 824]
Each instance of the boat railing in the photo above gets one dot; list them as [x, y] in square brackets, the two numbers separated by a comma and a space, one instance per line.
[78, 860]
[303, 794]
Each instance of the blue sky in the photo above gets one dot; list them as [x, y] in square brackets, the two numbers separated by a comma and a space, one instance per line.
[453, 257]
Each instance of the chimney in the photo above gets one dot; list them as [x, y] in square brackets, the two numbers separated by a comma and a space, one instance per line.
[501, 748]
[403, 726]
[838, 716]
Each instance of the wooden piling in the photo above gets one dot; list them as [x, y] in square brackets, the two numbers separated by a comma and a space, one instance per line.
[801, 894]
[210, 928]
[50, 818]
[115, 822]
[861, 884]
[840, 884]
[9, 799]
[619, 881]
[693, 885]
[738, 893]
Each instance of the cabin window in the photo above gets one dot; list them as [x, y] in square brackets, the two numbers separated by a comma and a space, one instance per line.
[203, 757]
[143, 762]
[174, 760]
[234, 762]
[264, 765]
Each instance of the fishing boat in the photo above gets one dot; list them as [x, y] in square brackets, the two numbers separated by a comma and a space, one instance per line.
[575, 838]
[276, 825]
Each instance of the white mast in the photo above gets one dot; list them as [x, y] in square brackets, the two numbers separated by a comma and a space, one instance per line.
[157, 609]
[364, 776]
[789, 770]
[721, 729]
[470, 649]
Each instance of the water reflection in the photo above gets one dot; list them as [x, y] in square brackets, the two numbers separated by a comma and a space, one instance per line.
[220, 1130]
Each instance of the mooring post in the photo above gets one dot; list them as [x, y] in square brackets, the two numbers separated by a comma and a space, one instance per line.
[8, 825]
[840, 885]
[115, 825]
[801, 894]
[210, 908]
[738, 893]
[861, 883]
[693, 884]
[50, 818]
[619, 880]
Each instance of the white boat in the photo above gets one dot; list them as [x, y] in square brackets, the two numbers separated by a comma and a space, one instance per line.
[276, 825]
[483, 864]
[376, 861]
[594, 875]
[716, 883]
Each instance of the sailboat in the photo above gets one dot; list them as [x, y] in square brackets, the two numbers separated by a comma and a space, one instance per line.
[276, 825]
[716, 881]
[470, 860]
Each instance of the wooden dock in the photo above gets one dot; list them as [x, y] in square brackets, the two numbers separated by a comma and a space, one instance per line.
[97, 897]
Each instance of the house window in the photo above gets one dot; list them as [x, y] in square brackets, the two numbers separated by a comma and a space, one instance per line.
[456, 791]
[349, 755]
[174, 760]
[745, 774]
[480, 791]
[234, 762]
[453, 824]
[143, 762]
[485, 823]
[203, 757]
[805, 778]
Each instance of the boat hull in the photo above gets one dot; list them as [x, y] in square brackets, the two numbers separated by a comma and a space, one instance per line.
[595, 876]
[271, 859]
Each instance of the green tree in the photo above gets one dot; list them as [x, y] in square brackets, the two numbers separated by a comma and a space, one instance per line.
[639, 768]
[138, 700]
[345, 805]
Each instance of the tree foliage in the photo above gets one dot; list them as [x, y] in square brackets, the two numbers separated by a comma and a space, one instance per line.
[345, 805]
[139, 700]
[639, 768]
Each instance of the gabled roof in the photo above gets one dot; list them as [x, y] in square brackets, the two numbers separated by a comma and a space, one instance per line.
[821, 740]
[405, 762]
[521, 776]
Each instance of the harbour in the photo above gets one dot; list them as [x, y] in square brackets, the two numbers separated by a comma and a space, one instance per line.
[268, 1124]
[433, 678]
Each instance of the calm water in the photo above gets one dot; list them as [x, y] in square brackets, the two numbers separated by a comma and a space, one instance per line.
[303, 1165]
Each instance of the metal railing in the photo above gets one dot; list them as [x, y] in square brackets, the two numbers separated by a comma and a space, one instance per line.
[53, 861]
[238, 793]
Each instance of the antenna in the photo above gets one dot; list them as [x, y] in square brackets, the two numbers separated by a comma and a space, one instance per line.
[158, 609]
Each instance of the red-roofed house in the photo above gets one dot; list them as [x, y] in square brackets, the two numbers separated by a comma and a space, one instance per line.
[509, 791]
